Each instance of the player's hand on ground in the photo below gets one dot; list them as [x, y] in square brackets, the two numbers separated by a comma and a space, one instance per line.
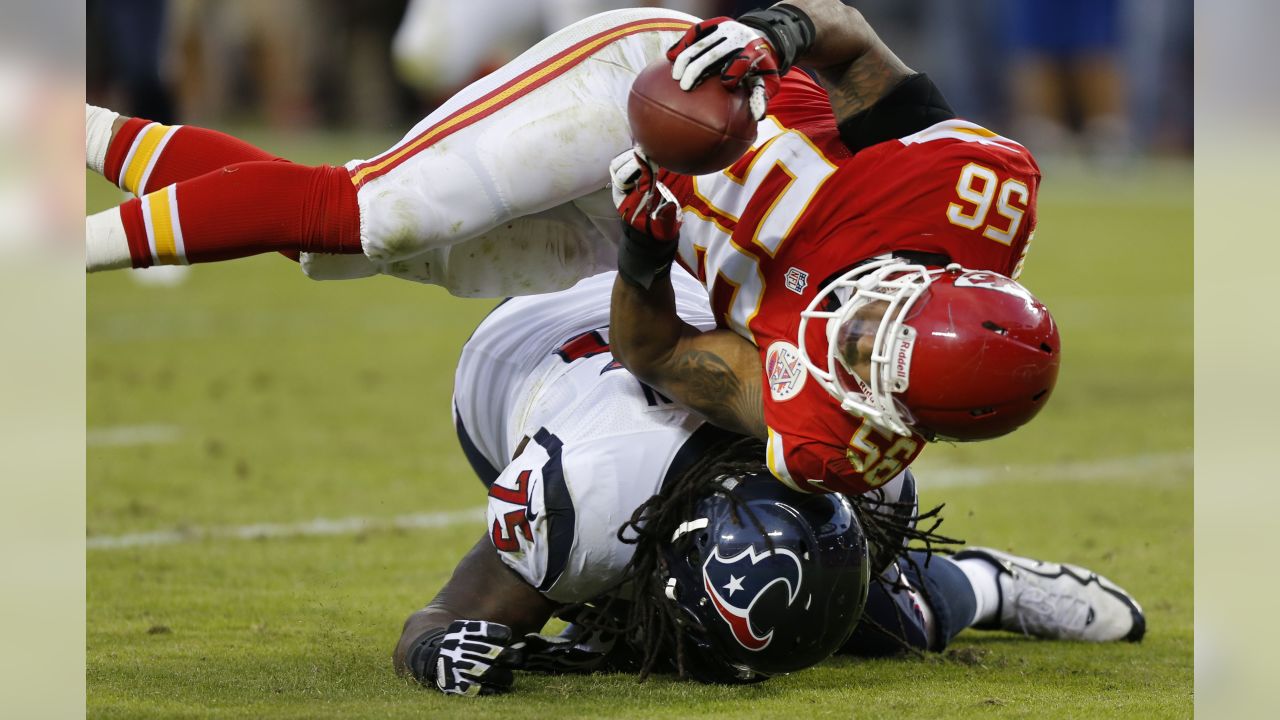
[471, 657]
[646, 205]
[738, 53]
[579, 649]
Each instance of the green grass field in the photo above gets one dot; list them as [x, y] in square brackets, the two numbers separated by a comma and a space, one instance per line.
[251, 396]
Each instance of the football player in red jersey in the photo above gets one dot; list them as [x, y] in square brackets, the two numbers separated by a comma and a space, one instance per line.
[866, 253]
[601, 492]
[503, 191]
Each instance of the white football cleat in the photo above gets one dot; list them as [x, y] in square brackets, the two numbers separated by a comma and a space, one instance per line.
[1060, 601]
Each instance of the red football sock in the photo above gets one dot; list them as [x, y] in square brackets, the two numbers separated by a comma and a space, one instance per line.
[245, 209]
[145, 156]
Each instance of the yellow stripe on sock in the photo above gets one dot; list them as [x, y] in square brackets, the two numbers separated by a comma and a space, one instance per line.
[162, 220]
[147, 143]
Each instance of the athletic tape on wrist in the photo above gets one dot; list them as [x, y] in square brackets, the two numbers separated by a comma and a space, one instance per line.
[421, 657]
[788, 29]
[641, 259]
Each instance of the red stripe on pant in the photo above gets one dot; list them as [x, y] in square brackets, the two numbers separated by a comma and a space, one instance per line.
[365, 172]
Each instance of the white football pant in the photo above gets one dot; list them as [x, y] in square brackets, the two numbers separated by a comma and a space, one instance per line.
[504, 189]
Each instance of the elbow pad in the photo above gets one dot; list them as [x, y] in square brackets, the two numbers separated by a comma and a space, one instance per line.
[915, 104]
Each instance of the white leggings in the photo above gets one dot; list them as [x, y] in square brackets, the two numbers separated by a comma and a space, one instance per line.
[504, 189]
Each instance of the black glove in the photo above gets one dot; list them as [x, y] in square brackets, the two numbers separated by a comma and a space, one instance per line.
[470, 657]
[577, 649]
[586, 645]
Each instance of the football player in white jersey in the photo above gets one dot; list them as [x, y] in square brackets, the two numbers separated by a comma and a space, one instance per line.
[602, 491]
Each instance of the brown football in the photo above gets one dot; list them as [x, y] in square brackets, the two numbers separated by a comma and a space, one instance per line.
[692, 133]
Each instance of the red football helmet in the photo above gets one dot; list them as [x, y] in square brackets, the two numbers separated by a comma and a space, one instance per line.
[952, 354]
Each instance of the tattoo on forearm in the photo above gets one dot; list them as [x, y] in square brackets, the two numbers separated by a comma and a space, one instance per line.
[751, 410]
[864, 82]
[711, 387]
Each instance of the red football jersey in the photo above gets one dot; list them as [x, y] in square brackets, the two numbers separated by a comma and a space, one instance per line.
[799, 208]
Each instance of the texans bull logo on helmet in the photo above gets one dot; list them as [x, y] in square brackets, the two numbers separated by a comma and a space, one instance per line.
[737, 583]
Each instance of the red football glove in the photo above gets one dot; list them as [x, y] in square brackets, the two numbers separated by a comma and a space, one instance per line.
[737, 52]
[645, 204]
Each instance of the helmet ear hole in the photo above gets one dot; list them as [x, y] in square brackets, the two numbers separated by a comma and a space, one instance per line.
[694, 556]
[697, 548]
[1039, 395]
[1047, 348]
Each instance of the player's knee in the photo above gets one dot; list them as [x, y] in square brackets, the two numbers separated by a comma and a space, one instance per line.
[948, 592]
[890, 624]
[319, 266]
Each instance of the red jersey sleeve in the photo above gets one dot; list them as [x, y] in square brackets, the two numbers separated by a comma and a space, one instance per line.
[801, 103]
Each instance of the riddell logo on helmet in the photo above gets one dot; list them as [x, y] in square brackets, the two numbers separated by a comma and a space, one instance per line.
[903, 347]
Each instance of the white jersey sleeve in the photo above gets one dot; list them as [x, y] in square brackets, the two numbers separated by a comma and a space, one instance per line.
[554, 513]
[599, 444]
[514, 371]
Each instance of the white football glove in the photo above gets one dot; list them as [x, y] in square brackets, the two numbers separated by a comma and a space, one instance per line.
[738, 53]
[469, 658]
[624, 171]
[645, 204]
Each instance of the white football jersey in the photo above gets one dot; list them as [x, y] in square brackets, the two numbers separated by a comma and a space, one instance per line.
[601, 443]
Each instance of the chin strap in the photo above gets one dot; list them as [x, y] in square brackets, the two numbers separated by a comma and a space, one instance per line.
[788, 29]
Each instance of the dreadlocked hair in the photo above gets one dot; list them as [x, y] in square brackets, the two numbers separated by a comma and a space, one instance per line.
[893, 530]
[636, 607]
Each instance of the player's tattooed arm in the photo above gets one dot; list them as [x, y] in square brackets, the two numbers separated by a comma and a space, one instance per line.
[716, 374]
[482, 588]
[706, 375]
[853, 63]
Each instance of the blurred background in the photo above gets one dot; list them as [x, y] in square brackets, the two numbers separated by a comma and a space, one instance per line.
[1104, 81]
[242, 396]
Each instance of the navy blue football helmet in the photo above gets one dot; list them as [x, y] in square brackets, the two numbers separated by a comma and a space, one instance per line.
[769, 580]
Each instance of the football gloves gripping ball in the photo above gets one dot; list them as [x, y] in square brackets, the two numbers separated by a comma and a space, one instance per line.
[650, 219]
[645, 204]
[738, 53]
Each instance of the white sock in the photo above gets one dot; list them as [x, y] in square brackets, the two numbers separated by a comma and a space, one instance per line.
[97, 132]
[106, 247]
[984, 577]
